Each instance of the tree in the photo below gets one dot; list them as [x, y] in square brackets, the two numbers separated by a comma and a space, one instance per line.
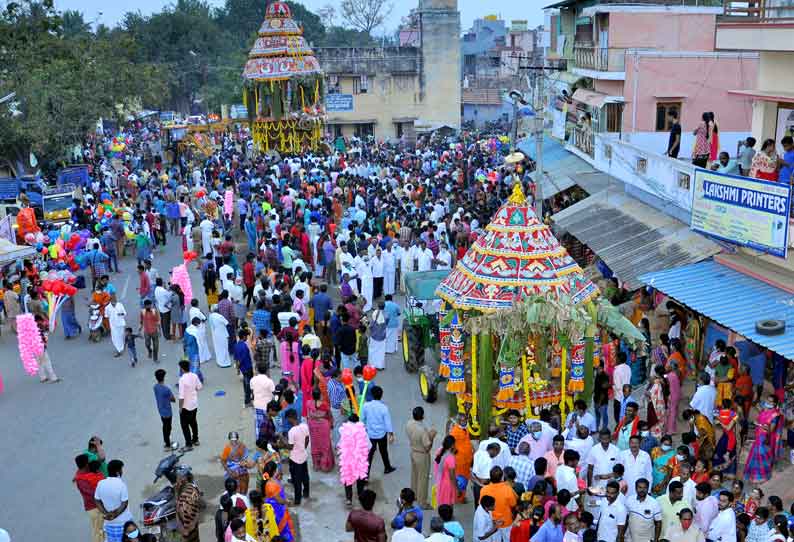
[338, 36]
[74, 25]
[365, 15]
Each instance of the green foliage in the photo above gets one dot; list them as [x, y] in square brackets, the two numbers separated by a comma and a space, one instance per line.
[65, 79]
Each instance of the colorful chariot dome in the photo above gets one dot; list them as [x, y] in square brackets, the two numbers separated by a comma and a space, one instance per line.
[517, 257]
[280, 51]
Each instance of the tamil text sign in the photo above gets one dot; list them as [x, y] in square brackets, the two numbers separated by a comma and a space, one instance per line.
[338, 102]
[747, 212]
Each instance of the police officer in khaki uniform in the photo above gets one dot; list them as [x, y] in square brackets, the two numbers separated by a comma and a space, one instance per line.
[420, 439]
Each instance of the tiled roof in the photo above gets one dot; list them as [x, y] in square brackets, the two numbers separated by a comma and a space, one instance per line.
[482, 96]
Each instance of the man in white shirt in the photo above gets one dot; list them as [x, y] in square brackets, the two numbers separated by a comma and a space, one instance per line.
[723, 528]
[485, 529]
[636, 462]
[565, 477]
[437, 530]
[443, 259]
[503, 458]
[408, 533]
[162, 299]
[620, 377]
[582, 442]
[704, 397]
[685, 470]
[112, 501]
[540, 441]
[707, 507]
[206, 226]
[644, 514]
[482, 462]
[424, 257]
[612, 516]
[226, 275]
[601, 459]
[579, 416]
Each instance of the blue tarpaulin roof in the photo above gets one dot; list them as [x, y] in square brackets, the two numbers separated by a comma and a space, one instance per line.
[731, 299]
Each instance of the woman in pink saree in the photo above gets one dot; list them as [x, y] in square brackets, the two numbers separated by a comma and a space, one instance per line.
[444, 476]
[306, 376]
[761, 459]
[657, 410]
[674, 383]
[320, 425]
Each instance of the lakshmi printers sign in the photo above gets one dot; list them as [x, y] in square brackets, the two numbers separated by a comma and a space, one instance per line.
[747, 212]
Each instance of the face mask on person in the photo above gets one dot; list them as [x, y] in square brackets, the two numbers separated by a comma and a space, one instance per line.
[680, 457]
[536, 435]
[666, 447]
[644, 433]
[766, 404]
[133, 534]
[686, 523]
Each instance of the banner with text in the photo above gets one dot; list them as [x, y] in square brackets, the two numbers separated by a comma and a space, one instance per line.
[338, 102]
[748, 212]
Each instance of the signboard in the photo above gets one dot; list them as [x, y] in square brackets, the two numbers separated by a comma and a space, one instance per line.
[238, 111]
[338, 102]
[747, 212]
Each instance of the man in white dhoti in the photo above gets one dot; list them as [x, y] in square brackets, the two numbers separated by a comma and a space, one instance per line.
[389, 270]
[206, 226]
[201, 336]
[392, 311]
[377, 338]
[424, 257]
[116, 315]
[220, 337]
[407, 261]
[365, 274]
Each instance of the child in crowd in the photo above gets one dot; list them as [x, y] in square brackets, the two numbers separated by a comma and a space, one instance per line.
[129, 343]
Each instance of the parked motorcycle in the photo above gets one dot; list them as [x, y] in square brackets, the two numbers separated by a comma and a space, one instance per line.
[159, 510]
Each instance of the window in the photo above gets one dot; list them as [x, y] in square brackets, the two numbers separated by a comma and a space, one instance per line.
[360, 85]
[614, 115]
[399, 129]
[642, 165]
[662, 110]
[337, 130]
[364, 130]
[683, 180]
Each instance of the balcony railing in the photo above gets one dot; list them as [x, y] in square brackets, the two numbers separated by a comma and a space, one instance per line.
[583, 139]
[599, 58]
[759, 11]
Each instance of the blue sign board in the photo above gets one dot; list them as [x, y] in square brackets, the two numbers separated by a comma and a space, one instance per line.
[339, 102]
[238, 111]
[747, 212]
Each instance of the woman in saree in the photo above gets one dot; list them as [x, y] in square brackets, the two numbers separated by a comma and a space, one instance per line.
[260, 519]
[692, 341]
[234, 462]
[274, 496]
[662, 456]
[725, 452]
[660, 354]
[704, 431]
[322, 372]
[674, 385]
[71, 328]
[765, 162]
[657, 410]
[678, 355]
[102, 298]
[321, 423]
[761, 458]
[744, 390]
[463, 458]
[444, 476]
[724, 376]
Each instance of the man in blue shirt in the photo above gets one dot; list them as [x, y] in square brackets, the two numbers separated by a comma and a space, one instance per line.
[164, 397]
[407, 504]
[785, 175]
[392, 311]
[321, 303]
[551, 530]
[242, 357]
[377, 419]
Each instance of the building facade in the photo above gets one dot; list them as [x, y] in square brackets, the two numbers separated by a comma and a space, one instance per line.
[390, 92]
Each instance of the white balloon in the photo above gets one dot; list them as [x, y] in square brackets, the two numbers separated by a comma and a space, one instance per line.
[4, 536]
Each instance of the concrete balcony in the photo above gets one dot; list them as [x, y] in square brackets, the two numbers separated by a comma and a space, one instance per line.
[599, 62]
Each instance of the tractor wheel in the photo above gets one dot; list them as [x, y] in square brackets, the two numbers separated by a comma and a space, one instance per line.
[427, 387]
[413, 350]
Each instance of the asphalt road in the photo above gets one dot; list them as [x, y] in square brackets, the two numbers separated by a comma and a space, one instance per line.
[46, 425]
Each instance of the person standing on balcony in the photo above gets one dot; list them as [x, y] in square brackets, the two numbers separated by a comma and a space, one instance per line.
[674, 143]
[702, 149]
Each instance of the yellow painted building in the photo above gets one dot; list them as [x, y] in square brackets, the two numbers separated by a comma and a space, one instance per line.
[389, 92]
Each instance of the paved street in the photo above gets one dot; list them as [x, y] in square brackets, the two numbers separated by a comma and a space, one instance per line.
[48, 424]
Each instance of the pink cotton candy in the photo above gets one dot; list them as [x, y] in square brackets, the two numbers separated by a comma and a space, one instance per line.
[228, 203]
[181, 277]
[29, 342]
[353, 451]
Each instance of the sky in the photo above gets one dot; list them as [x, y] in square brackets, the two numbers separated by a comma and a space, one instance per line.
[110, 13]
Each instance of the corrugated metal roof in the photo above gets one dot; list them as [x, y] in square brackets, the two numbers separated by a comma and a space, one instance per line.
[631, 237]
[730, 298]
[563, 169]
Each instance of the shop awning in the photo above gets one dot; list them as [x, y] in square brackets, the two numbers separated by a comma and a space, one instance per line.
[593, 98]
[562, 169]
[732, 299]
[631, 237]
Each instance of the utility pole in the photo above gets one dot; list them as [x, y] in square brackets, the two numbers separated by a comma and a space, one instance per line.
[538, 104]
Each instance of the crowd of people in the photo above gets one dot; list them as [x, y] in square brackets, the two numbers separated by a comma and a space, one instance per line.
[301, 260]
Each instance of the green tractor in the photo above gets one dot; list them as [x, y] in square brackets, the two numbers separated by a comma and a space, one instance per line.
[420, 329]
